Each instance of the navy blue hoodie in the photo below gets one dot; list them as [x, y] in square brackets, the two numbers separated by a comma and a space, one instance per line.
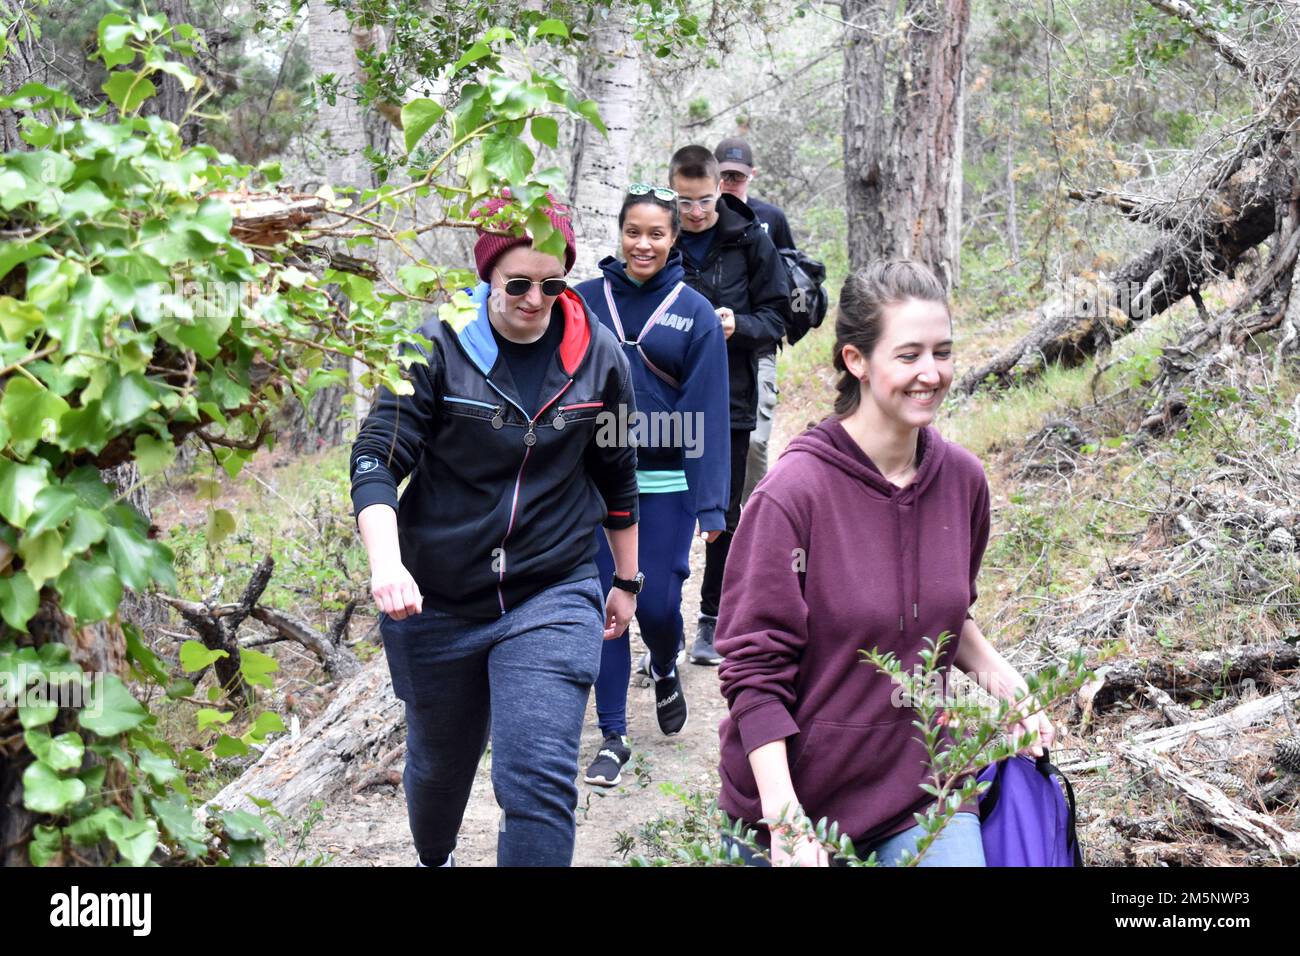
[686, 345]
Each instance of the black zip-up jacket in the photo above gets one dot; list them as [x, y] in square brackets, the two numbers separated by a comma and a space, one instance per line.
[501, 503]
[743, 272]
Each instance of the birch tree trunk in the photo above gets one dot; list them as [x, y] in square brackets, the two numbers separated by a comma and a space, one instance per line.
[611, 77]
[341, 137]
[903, 79]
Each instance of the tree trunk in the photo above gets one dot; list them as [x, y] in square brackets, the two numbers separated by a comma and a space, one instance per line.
[16, 68]
[1013, 230]
[172, 99]
[342, 140]
[902, 152]
[611, 77]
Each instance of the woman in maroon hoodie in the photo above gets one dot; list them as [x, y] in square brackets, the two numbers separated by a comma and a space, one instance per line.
[868, 533]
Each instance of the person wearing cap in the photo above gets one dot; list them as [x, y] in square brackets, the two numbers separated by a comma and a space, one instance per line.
[728, 259]
[484, 570]
[737, 169]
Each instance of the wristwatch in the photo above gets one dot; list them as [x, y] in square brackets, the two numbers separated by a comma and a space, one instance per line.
[633, 586]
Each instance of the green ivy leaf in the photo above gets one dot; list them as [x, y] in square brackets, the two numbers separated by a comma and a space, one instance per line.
[32, 413]
[43, 556]
[64, 752]
[37, 713]
[546, 131]
[208, 717]
[153, 455]
[46, 845]
[268, 722]
[552, 27]
[228, 746]
[44, 791]
[160, 769]
[13, 254]
[18, 600]
[134, 839]
[143, 660]
[89, 830]
[128, 90]
[195, 657]
[418, 117]
[19, 486]
[88, 528]
[111, 709]
[87, 200]
[588, 110]
[506, 157]
[257, 667]
[91, 589]
[127, 398]
[137, 559]
[54, 505]
[472, 55]
[181, 823]
[221, 524]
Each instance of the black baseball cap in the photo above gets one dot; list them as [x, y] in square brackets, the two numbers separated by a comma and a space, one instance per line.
[733, 153]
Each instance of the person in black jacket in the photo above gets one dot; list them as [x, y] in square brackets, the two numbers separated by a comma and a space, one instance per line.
[736, 166]
[484, 571]
[730, 260]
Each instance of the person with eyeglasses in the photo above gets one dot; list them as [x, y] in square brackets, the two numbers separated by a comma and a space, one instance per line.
[491, 607]
[674, 343]
[731, 261]
[736, 166]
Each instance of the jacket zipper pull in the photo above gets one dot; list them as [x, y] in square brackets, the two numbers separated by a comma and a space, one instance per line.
[530, 436]
[497, 420]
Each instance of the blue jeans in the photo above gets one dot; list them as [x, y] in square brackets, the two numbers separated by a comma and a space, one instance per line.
[664, 553]
[958, 845]
[523, 681]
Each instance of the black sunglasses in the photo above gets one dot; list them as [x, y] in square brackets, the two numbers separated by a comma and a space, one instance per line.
[521, 286]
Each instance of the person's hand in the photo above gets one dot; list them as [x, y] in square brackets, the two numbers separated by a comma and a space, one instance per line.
[1035, 722]
[620, 605]
[728, 319]
[708, 536]
[805, 850]
[395, 591]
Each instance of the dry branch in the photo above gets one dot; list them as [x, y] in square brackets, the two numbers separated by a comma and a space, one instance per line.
[1187, 677]
[1222, 812]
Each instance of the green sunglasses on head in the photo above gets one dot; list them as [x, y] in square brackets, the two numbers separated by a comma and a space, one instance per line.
[660, 192]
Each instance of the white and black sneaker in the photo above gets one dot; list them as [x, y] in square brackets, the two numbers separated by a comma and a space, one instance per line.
[643, 662]
[607, 769]
[670, 703]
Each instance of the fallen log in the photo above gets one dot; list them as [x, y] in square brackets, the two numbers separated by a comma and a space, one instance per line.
[1189, 677]
[1221, 812]
[363, 722]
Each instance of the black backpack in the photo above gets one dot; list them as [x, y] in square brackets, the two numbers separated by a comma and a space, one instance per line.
[808, 299]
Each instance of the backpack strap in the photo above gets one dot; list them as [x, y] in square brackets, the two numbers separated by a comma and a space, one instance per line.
[1047, 769]
[989, 802]
[655, 316]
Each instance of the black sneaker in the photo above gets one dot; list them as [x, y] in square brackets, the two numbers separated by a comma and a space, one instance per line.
[670, 704]
[703, 651]
[607, 769]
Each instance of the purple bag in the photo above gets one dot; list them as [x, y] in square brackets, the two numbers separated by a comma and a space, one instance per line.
[1025, 820]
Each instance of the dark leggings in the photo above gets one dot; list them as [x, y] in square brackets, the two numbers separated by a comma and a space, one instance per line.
[715, 554]
[664, 546]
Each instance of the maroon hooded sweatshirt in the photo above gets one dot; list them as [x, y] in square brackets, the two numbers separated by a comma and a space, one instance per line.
[831, 559]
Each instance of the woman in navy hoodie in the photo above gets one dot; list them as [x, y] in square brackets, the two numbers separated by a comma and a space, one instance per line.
[675, 345]
[869, 532]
